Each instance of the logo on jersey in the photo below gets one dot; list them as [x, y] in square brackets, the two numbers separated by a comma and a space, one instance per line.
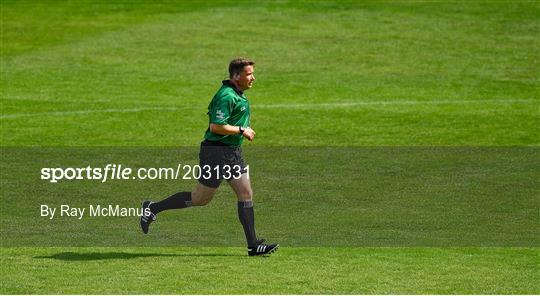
[243, 108]
[220, 115]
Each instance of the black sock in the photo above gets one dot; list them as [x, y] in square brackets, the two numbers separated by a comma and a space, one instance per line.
[178, 200]
[247, 218]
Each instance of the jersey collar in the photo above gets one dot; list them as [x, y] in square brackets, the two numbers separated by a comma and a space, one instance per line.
[230, 84]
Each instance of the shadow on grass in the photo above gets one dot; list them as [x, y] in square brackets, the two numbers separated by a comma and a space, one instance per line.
[73, 256]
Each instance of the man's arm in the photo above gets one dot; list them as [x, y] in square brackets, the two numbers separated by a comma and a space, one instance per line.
[228, 129]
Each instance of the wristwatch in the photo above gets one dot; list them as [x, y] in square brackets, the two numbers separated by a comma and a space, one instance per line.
[241, 130]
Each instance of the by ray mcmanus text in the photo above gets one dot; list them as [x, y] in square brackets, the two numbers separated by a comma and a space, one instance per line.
[51, 212]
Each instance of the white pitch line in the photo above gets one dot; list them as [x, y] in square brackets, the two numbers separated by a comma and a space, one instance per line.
[270, 106]
[75, 112]
[352, 104]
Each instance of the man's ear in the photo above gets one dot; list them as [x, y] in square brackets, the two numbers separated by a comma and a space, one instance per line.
[236, 76]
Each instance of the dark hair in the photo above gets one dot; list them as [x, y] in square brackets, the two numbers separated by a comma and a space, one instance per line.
[237, 65]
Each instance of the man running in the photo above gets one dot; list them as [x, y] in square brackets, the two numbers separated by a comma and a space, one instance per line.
[229, 114]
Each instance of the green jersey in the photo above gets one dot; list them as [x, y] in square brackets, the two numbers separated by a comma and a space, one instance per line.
[228, 106]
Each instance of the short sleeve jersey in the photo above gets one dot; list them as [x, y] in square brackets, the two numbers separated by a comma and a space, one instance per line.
[228, 106]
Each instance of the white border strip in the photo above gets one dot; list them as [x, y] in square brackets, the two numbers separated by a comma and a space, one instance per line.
[273, 106]
[75, 112]
[384, 103]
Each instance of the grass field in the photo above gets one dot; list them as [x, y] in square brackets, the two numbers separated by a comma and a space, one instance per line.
[293, 270]
[396, 150]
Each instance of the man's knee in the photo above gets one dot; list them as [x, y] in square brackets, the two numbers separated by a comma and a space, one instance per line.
[201, 202]
[245, 194]
[201, 197]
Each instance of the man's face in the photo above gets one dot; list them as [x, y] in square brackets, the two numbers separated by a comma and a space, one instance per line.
[245, 79]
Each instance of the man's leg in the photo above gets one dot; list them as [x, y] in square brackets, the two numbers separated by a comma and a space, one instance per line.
[200, 196]
[178, 200]
[244, 193]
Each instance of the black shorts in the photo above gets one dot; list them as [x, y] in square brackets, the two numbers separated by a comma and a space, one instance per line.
[219, 161]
